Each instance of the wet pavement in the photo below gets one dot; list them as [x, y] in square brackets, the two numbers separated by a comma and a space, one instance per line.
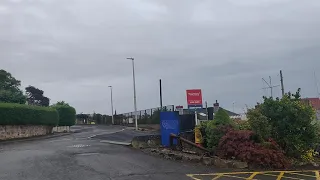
[81, 156]
[77, 157]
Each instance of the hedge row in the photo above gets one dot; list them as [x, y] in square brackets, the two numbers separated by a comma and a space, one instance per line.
[67, 115]
[20, 114]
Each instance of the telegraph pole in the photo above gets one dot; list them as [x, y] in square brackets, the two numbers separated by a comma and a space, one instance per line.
[160, 93]
[281, 80]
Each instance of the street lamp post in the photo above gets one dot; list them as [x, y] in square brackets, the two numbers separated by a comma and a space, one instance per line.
[134, 94]
[111, 105]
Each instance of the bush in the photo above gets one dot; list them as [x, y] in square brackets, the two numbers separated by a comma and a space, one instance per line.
[221, 117]
[20, 114]
[288, 121]
[243, 145]
[242, 125]
[217, 128]
[214, 133]
[67, 115]
[259, 123]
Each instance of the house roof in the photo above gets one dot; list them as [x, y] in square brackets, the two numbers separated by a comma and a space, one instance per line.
[314, 102]
[210, 109]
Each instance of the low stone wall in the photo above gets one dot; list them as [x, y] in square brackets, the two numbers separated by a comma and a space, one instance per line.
[23, 131]
[141, 142]
[60, 129]
[208, 161]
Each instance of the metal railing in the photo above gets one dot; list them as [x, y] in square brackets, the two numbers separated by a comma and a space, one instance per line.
[148, 115]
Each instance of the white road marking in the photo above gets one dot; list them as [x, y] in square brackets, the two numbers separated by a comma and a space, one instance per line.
[116, 142]
[88, 154]
[79, 146]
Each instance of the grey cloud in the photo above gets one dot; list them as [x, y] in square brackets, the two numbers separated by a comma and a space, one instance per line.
[74, 49]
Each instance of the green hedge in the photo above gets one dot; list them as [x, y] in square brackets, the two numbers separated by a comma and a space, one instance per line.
[21, 114]
[67, 115]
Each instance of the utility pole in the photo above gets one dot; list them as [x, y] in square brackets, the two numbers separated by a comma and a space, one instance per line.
[281, 80]
[160, 93]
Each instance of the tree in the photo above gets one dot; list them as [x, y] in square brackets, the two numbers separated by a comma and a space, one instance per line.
[62, 103]
[291, 122]
[222, 118]
[217, 128]
[35, 97]
[9, 89]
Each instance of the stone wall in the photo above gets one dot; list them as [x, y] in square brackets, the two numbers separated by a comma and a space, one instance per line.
[60, 129]
[23, 131]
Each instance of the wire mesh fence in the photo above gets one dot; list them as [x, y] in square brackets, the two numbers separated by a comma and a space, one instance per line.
[147, 116]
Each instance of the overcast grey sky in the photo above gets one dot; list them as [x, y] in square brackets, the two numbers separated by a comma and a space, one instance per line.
[75, 49]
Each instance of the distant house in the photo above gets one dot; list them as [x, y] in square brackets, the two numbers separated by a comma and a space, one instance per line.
[202, 113]
[315, 103]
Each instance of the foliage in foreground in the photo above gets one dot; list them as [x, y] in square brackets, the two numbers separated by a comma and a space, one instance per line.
[20, 114]
[243, 145]
[288, 121]
[217, 128]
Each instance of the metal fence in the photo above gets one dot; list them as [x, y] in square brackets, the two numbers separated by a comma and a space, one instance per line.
[142, 114]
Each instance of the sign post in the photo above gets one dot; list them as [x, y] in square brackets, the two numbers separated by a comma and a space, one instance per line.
[194, 100]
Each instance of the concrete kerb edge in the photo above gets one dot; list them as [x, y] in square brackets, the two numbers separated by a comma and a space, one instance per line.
[49, 136]
[116, 142]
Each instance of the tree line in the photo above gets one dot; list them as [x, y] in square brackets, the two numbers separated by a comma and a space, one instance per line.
[10, 92]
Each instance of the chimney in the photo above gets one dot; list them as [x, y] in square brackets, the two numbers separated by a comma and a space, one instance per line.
[215, 106]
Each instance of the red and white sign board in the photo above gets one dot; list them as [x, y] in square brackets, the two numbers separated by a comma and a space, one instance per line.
[194, 98]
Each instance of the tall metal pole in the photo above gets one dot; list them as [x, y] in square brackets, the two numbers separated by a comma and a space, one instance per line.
[160, 94]
[281, 79]
[111, 105]
[134, 94]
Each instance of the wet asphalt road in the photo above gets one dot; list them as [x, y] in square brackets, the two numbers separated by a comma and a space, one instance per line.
[77, 157]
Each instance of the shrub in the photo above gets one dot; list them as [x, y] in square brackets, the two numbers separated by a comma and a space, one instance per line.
[242, 125]
[243, 145]
[217, 128]
[67, 115]
[214, 133]
[221, 117]
[21, 114]
[259, 123]
[291, 123]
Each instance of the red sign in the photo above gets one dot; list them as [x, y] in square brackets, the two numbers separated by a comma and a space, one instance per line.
[179, 107]
[194, 97]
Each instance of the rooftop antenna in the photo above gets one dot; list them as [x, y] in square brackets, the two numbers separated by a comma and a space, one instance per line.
[270, 86]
